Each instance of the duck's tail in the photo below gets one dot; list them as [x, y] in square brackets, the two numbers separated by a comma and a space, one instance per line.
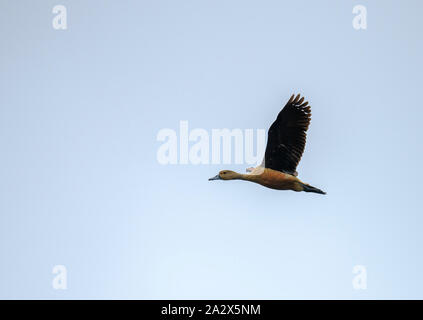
[308, 188]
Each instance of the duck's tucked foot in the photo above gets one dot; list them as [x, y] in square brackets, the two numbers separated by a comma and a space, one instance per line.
[249, 169]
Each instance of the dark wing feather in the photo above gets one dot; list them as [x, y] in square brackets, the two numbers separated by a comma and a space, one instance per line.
[287, 136]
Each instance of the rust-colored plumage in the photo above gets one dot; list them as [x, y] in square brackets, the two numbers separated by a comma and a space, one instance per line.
[285, 146]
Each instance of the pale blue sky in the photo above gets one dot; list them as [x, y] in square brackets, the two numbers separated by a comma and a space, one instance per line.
[80, 184]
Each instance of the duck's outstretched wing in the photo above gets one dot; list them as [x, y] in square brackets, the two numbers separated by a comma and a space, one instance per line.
[287, 136]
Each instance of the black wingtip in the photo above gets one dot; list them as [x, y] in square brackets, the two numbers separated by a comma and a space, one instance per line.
[308, 188]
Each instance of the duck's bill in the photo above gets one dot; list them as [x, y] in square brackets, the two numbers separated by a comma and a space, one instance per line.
[217, 177]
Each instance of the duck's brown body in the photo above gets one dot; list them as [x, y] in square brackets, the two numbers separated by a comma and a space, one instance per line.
[274, 179]
[269, 178]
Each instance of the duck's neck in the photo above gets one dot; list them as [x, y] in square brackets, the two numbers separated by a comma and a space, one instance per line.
[246, 177]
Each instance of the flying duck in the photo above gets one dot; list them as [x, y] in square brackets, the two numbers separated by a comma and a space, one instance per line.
[286, 140]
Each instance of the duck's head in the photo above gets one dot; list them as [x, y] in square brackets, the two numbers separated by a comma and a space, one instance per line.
[225, 175]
